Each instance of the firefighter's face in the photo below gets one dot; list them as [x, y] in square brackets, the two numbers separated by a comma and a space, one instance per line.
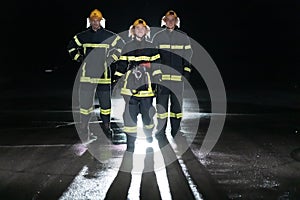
[170, 21]
[95, 23]
[140, 30]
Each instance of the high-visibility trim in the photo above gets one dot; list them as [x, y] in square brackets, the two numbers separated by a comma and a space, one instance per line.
[105, 111]
[114, 57]
[130, 129]
[187, 69]
[115, 41]
[144, 94]
[83, 69]
[77, 41]
[164, 46]
[188, 46]
[119, 50]
[118, 73]
[177, 46]
[156, 72]
[92, 45]
[162, 115]
[71, 50]
[150, 126]
[86, 111]
[76, 56]
[85, 79]
[140, 58]
[167, 46]
[126, 91]
[169, 77]
[176, 115]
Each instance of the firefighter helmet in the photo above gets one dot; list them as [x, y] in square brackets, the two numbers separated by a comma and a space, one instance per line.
[96, 14]
[173, 13]
[135, 23]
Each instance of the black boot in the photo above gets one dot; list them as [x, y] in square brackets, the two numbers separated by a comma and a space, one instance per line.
[107, 130]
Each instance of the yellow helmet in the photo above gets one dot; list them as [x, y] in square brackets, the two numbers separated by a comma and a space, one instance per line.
[135, 23]
[96, 14]
[139, 21]
[171, 12]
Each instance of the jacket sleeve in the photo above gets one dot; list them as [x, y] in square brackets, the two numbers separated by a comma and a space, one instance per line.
[187, 58]
[75, 49]
[117, 43]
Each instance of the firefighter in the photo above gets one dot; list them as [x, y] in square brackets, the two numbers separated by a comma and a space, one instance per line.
[138, 66]
[176, 52]
[96, 48]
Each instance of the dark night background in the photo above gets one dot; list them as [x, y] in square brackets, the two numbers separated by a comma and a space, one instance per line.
[254, 43]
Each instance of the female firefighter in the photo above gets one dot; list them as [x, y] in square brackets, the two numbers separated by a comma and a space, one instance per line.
[139, 63]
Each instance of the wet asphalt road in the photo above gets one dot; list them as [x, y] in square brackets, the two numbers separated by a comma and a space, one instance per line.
[41, 156]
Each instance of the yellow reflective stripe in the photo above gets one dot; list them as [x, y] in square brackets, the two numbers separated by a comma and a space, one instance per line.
[125, 82]
[86, 111]
[187, 69]
[83, 69]
[71, 50]
[123, 58]
[177, 46]
[95, 45]
[150, 126]
[126, 91]
[76, 56]
[188, 46]
[139, 58]
[158, 71]
[164, 46]
[176, 115]
[114, 57]
[168, 77]
[86, 79]
[168, 46]
[77, 41]
[118, 73]
[162, 115]
[115, 41]
[130, 129]
[105, 111]
[144, 94]
[119, 50]
[157, 56]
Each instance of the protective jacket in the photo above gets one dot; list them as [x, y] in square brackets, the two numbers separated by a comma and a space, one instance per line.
[107, 46]
[176, 52]
[139, 63]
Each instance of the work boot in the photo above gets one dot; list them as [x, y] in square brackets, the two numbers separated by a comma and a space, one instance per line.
[107, 130]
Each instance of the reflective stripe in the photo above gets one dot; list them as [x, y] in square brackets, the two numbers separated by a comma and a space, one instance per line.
[77, 41]
[168, 77]
[158, 71]
[105, 111]
[86, 79]
[150, 126]
[126, 91]
[188, 46]
[115, 41]
[76, 56]
[140, 58]
[162, 115]
[144, 94]
[130, 129]
[71, 50]
[83, 69]
[86, 111]
[118, 73]
[167, 46]
[176, 115]
[114, 57]
[92, 45]
[187, 69]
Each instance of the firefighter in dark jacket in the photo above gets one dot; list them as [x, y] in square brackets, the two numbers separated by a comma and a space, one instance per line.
[176, 52]
[138, 66]
[96, 48]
